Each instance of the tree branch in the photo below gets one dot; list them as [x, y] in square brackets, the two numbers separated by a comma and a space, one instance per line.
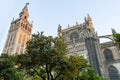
[50, 70]
[57, 75]
[47, 71]
[39, 74]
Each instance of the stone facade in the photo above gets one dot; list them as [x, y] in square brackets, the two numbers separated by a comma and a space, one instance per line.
[110, 60]
[19, 33]
[82, 40]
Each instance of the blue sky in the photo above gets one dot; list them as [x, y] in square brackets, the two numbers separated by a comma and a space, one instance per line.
[47, 14]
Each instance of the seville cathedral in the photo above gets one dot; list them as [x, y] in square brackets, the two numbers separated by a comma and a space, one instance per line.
[81, 40]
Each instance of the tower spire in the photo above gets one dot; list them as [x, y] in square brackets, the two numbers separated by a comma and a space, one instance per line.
[85, 19]
[76, 22]
[59, 30]
[24, 13]
[89, 18]
[89, 23]
[25, 7]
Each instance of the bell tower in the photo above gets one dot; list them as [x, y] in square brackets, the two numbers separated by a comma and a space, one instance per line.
[19, 33]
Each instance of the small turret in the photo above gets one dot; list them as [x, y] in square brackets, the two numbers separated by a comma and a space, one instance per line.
[85, 20]
[68, 25]
[12, 20]
[113, 31]
[76, 23]
[59, 30]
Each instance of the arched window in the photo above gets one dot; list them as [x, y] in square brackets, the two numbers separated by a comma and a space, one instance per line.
[108, 55]
[113, 73]
[74, 36]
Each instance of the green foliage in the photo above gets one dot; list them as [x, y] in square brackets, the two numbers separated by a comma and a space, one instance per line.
[7, 69]
[78, 69]
[43, 56]
[35, 77]
[88, 74]
[117, 39]
[46, 59]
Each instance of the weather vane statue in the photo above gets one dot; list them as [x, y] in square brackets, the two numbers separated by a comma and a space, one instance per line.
[27, 4]
[25, 7]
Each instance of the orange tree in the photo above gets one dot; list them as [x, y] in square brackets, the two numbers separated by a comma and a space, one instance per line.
[46, 58]
[43, 55]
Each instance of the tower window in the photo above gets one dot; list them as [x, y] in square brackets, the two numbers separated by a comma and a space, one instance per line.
[63, 33]
[108, 55]
[74, 36]
[113, 73]
[21, 24]
[26, 27]
[13, 38]
[29, 29]
[10, 41]
[25, 17]
[19, 38]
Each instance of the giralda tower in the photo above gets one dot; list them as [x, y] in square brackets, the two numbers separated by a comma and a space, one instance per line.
[19, 33]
